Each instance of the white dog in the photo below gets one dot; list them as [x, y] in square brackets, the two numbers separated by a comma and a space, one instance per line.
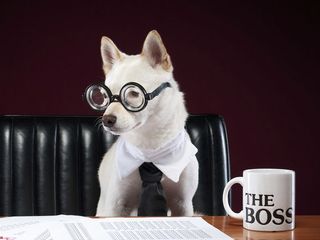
[151, 129]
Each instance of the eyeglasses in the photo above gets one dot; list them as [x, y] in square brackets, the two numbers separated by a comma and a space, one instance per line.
[132, 96]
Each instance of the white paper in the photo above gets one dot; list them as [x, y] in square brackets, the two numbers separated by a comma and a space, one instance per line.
[84, 228]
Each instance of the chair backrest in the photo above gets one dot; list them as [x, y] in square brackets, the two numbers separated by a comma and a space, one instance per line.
[48, 164]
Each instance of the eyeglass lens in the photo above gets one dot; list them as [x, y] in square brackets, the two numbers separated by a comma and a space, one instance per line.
[132, 97]
[98, 97]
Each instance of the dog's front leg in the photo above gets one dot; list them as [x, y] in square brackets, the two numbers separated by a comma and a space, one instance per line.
[180, 194]
[119, 197]
[117, 203]
[180, 207]
[114, 209]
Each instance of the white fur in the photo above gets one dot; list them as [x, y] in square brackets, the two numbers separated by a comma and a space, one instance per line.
[162, 119]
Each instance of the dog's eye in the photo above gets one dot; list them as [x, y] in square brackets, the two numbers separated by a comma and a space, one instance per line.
[133, 94]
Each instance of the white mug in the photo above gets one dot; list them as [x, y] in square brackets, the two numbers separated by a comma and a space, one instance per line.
[268, 199]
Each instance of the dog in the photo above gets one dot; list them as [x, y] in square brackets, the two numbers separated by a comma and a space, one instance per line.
[148, 125]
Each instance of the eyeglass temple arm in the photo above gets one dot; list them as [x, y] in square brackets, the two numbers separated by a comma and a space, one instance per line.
[158, 90]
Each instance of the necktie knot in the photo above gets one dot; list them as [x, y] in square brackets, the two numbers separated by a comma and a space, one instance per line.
[150, 173]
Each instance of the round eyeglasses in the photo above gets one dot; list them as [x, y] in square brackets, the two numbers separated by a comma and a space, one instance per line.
[132, 96]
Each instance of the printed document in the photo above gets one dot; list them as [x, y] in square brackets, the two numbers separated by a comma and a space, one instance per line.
[68, 227]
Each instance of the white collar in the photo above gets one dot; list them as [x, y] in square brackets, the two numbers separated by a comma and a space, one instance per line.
[171, 158]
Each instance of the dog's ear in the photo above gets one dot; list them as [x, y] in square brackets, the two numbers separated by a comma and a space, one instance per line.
[155, 51]
[109, 53]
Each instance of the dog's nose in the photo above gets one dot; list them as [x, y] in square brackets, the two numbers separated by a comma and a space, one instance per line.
[109, 120]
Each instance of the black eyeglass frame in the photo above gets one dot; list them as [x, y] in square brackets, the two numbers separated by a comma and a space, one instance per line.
[117, 97]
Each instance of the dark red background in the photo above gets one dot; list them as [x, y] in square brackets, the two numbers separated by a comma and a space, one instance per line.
[255, 63]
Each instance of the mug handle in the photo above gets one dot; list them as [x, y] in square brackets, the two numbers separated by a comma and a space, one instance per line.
[225, 201]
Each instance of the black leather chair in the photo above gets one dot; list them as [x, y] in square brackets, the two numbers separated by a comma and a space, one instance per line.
[48, 164]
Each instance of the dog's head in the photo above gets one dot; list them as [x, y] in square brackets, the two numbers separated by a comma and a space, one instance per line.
[150, 71]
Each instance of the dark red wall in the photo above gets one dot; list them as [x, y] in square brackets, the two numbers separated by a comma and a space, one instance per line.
[256, 64]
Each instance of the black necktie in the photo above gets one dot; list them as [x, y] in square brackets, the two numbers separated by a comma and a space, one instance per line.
[152, 199]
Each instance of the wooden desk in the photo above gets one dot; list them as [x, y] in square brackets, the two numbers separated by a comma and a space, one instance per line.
[307, 228]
